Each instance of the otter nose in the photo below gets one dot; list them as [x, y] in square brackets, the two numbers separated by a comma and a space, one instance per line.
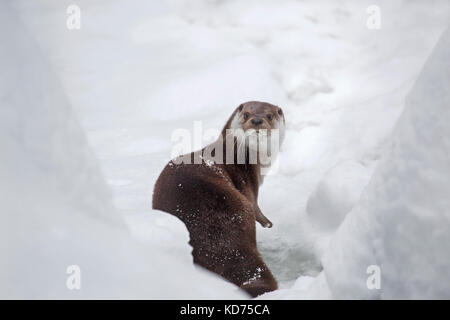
[256, 121]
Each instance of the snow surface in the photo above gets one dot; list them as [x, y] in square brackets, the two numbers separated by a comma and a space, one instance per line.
[56, 210]
[402, 220]
[136, 71]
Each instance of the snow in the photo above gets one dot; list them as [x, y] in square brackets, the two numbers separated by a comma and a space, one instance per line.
[401, 223]
[134, 76]
[56, 210]
[336, 194]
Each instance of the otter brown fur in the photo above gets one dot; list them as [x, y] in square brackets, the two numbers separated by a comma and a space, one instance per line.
[218, 204]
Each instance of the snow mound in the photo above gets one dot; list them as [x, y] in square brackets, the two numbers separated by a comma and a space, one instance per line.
[336, 194]
[401, 223]
[55, 209]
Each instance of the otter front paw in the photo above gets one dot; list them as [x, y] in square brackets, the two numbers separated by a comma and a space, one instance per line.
[267, 224]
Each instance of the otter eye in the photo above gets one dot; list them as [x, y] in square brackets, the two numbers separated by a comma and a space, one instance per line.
[246, 115]
[270, 117]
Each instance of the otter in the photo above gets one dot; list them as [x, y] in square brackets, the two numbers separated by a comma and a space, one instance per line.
[218, 200]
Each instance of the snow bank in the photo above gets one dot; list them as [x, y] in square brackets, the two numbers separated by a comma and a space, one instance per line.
[336, 194]
[401, 223]
[55, 207]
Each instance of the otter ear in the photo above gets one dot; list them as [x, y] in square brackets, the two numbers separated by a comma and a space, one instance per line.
[241, 107]
[280, 112]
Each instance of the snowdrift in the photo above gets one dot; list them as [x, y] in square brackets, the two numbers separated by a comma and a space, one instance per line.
[401, 223]
[55, 207]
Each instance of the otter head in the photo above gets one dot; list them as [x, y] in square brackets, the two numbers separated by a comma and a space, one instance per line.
[257, 119]
[254, 116]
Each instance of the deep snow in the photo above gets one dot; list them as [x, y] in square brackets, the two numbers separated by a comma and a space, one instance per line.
[136, 71]
[402, 220]
[55, 208]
